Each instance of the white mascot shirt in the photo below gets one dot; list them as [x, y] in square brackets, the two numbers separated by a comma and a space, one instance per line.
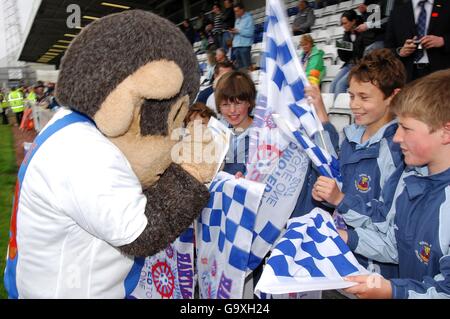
[78, 201]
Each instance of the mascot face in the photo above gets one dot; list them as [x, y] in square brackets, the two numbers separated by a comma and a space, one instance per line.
[120, 115]
[134, 73]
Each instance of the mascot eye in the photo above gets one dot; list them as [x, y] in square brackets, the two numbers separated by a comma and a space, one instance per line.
[154, 116]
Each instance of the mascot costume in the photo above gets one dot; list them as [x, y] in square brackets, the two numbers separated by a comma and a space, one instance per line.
[99, 187]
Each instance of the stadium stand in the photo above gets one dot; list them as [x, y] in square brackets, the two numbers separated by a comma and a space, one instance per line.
[325, 32]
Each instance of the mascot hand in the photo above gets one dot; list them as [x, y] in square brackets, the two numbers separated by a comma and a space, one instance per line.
[198, 152]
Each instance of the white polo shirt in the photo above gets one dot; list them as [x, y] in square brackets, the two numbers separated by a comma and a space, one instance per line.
[79, 200]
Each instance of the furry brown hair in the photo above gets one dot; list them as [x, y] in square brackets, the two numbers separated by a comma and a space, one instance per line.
[110, 49]
[177, 196]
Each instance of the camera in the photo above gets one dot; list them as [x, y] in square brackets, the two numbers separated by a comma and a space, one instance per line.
[418, 44]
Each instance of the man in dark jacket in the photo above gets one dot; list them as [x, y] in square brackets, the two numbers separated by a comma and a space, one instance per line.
[304, 19]
[419, 32]
[188, 30]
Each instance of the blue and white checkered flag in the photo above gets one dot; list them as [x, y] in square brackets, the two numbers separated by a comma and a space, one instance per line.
[282, 78]
[310, 256]
[224, 236]
[276, 159]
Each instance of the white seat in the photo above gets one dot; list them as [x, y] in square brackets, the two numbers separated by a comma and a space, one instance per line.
[330, 9]
[330, 52]
[319, 23]
[257, 47]
[337, 32]
[331, 73]
[334, 20]
[197, 45]
[321, 36]
[356, 3]
[339, 121]
[296, 40]
[328, 100]
[325, 86]
[256, 58]
[255, 76]
[343, 6]
[318, 12]
[342, 101]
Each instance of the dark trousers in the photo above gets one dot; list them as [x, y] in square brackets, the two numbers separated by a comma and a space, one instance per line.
[4, 116]
[19, 117]
[218, 40]
[243, 57]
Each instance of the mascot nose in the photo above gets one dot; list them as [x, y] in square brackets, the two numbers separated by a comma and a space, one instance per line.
[156, 80]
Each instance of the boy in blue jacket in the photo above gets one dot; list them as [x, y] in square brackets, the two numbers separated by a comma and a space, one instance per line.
[368, 156]
[411, 225]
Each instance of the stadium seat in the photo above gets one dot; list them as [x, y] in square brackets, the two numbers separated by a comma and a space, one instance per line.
[328, 100]
[343, 6]
[337, 32]
[332, 71]
[321, 36]
[330, 9]
[334, 20]
[339, 121]
[330, 52]
[342, 101]
[319, 23]
[255, 76]
[318, 12]
[340, 115]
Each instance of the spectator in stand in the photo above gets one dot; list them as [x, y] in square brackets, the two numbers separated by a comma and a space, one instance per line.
[311, 56]
[202, 21]
[304, 19]
[217, 25]
[188, 30]
[351, 54]
[220, 69]
[210, 36]
[375, 14]
[211, 58]
[362, 9]
[228, 23]
[244, 29]
[221, 56]
[230, 54]
[419, 32]
[203, 43]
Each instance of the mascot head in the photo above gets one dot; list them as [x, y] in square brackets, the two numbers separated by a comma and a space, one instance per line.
[134, 74]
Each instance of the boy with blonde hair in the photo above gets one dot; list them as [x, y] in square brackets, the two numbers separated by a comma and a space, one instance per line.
[411, 225]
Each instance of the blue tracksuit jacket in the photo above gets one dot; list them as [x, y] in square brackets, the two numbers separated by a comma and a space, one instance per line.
[305, 202]
[365, 167]
[411, 227]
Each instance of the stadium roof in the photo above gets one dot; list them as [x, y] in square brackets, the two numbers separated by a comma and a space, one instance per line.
[49, 35]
